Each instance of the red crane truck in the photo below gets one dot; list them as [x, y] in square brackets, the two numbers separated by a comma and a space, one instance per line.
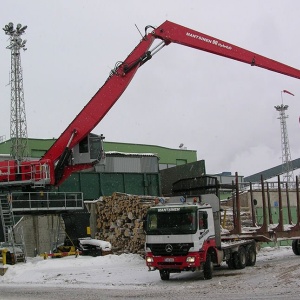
[184, 234]
[74, 150]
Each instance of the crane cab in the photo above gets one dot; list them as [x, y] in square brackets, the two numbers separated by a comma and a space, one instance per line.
[89, 150]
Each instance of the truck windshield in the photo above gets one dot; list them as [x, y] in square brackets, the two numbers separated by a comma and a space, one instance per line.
[180, 221]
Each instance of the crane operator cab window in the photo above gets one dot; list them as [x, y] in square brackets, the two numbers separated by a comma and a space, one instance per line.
[88, 149]
[84, 145]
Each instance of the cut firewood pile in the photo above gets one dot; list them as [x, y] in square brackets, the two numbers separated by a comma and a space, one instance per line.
[120, 221]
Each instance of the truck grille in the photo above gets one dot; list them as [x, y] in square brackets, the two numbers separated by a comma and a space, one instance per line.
[178, 249]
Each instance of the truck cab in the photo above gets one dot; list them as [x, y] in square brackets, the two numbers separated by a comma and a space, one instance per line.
[176, 231]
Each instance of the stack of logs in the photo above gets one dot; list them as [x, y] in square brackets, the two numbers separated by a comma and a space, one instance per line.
[120, 221]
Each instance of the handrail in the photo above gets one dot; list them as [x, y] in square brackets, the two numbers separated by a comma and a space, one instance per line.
[46, 201]
[36, 172]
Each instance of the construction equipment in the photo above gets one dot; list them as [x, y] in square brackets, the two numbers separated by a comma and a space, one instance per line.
[76, 149]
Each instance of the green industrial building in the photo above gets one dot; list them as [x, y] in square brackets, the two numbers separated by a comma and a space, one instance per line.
[130, 168]
[167, 157]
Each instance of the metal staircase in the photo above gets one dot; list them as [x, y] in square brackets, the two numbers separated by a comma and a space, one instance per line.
[9, 231]
[7, 219]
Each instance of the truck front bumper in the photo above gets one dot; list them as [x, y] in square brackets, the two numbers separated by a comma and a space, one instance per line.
[190, 262]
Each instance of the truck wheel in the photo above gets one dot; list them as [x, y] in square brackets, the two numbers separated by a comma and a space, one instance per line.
[296, 247]
[251, 256]
[230, 263]
[164, 274]
[240, 258]
[208, 267]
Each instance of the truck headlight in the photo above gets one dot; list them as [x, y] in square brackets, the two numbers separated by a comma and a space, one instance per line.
[190, 259]
[149, 259]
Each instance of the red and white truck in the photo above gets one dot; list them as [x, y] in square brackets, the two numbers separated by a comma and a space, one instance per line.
[185, 234]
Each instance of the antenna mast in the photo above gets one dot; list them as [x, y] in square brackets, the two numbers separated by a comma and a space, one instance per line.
[18, 124]
[287, 168]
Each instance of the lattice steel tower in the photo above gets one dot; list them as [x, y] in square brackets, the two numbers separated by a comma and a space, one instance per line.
[18, 125]
[287, 168]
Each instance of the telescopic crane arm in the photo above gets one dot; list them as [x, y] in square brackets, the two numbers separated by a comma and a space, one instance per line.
[174, 33]
[120, 77]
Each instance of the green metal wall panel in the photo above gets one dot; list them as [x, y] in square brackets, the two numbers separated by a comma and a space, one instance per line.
[134, 183]
[112, 182]
[72, 184]
[90, 185]
[154, 188]
[93, 185]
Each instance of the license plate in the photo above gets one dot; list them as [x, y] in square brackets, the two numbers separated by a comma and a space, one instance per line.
[169, 259]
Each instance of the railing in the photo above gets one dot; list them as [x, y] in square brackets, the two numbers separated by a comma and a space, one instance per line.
[272, 185]
[46, 202]
[12, 173]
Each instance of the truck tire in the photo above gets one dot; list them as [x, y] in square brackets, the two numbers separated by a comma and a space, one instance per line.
[208, 267]
[164, 274]
[251, 255]
[240, 258]
[296, 247]
[230, 263]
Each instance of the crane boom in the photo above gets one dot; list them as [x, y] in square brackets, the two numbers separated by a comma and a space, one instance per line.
[169, 32]
[121, 76]
[175, 33]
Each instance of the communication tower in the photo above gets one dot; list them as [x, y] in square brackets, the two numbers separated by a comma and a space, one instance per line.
[287, 167]
[18, 125]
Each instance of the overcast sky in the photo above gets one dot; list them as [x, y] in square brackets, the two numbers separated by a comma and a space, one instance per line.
[222, 108]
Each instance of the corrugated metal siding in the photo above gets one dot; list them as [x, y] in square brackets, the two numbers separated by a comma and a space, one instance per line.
[149, 164]
[128, 164]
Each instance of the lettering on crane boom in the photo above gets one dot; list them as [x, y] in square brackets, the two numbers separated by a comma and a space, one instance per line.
[168, 209]
[206, 40]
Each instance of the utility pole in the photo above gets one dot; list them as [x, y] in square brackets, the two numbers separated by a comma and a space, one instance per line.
[18, 124]
[287, 168]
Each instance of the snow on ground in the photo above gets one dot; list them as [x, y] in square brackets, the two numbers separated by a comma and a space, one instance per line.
[110, 271]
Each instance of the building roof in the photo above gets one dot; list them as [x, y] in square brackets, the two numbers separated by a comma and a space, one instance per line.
[38, 147]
